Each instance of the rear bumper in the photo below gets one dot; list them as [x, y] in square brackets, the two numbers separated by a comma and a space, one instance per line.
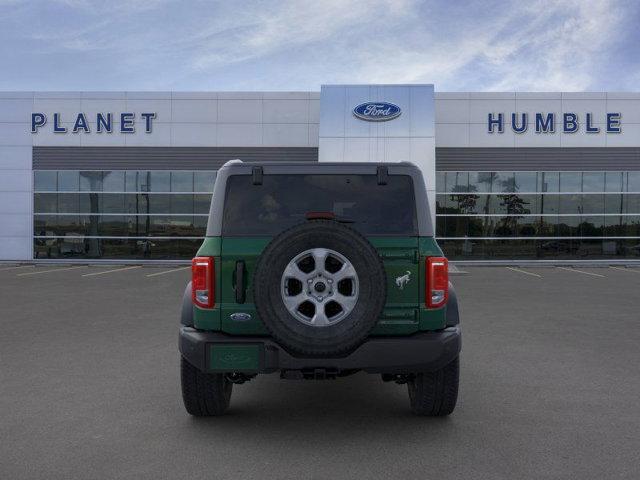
[420, 352]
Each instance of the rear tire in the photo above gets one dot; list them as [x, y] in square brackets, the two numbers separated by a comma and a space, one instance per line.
[204, 394]
[434, 394]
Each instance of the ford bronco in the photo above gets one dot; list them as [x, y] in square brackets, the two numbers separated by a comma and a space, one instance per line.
[319, 271]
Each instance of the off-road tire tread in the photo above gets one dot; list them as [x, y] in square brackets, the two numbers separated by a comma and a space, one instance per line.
[204, 394]
[434, 394]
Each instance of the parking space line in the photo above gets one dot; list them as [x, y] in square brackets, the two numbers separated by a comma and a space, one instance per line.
[581, 271]
[15, 268]
[637, 270]
[49, 271]
[522, 271]
[167, 271]
[112, 271]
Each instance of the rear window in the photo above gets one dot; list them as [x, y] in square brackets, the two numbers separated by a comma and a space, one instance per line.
[284, 200]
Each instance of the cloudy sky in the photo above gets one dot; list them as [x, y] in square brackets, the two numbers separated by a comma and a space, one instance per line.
[534, 45]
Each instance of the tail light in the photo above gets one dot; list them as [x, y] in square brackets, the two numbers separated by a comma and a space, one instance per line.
[437, 284]
[203, 282]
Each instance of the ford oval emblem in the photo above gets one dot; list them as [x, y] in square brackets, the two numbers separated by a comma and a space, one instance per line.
[377, 111]
[240, 317]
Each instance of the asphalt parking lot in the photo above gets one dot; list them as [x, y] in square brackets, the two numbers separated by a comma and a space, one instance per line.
[89, 386]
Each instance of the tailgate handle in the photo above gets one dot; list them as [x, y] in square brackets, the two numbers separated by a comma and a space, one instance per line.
[240, 289]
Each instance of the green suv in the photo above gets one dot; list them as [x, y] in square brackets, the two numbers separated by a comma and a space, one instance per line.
[319, 270]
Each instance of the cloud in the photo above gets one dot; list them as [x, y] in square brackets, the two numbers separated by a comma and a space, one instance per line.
[541, 46]
[290, 24]
[299, 44]
[561, 49]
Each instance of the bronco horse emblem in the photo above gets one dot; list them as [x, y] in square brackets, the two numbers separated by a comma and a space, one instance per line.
[402, 280]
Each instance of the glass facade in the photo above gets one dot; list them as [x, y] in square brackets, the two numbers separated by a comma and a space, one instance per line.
[162, 215]
[151, 215]
[538, 215]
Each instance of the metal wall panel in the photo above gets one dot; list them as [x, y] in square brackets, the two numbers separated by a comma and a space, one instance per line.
[514, 159]
[161, 158]
[344, 137]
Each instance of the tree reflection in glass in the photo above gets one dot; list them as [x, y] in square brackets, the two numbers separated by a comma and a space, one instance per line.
[94, 181]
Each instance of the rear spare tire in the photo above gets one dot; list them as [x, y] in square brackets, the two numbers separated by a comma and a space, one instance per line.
[319, 288]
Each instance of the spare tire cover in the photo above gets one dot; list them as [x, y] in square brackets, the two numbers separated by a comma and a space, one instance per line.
[319, 288]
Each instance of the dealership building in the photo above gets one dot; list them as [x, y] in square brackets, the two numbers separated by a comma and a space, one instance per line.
[510, 176]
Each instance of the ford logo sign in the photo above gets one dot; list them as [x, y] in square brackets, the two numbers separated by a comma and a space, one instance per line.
[377, 111]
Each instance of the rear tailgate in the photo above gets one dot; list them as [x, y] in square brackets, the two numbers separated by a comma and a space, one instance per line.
[238, 312]
[401, 313]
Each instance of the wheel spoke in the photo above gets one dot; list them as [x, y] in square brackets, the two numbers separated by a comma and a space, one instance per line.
[347, 271]
[345, 301]
[320, 318]
[293, 271]
[293, 302]
[319, 257]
